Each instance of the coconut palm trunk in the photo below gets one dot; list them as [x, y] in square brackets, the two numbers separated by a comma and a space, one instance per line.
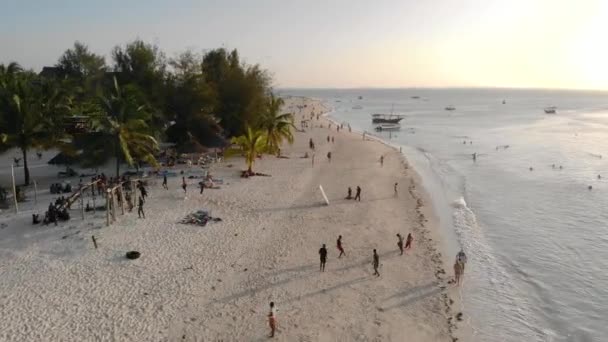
[26, 170]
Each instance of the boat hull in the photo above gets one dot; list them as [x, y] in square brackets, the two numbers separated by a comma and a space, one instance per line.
[382, 120]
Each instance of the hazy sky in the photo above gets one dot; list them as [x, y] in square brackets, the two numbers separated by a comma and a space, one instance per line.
[339, 43]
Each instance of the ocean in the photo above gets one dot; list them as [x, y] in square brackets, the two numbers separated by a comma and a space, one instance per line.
[535, 233]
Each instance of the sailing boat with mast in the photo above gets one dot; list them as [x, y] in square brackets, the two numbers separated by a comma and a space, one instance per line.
[380, 118]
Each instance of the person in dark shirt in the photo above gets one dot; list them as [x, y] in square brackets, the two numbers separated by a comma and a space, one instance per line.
[140, 208]
[165, 182]
[340, 248]
[350, 193]
[400, 243]
[323, 257]
[376, 263]
[358, 194]
[184, 185]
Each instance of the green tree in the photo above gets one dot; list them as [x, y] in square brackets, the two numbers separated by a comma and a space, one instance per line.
[277, 126]
[239, 90]
[252, 144]
[120, 130]
[81, 64]
[31, 112]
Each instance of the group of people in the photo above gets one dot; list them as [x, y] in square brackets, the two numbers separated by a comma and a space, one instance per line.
[357, 197]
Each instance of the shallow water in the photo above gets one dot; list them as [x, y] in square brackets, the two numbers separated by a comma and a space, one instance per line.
[536, 239]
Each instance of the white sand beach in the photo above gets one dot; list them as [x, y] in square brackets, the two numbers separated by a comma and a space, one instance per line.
[214, 283]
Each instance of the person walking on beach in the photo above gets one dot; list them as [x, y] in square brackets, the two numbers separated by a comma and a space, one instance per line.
[140, 208]
[328, 135]
[272, 319]
[381, 160]
[339, 245]
[184, 185]
[142, 190]
[376, 263]
[400, 243]
[395, 187]
[329, 156]
[323, 257]
[408, 241]
[202, 186]
[358, 194]
[350, 193]
[165, 181]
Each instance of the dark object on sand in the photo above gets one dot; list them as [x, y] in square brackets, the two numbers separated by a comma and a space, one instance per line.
[132, 255]
[247, 174]
[200, 218]
[35, 218]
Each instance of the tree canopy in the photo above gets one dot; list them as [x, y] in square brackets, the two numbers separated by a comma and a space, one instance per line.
[121, 107]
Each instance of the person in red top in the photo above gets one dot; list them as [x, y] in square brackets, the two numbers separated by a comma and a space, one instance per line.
[408, 241]
[272, 319]
[340, 248]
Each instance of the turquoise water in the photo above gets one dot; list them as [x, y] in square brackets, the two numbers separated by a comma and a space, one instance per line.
[537, 240]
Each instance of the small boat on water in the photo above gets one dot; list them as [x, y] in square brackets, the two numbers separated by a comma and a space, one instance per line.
[387, 118]
[450, 107]
[551, 110]
[386, 127]
[415, 97]
[360, 97]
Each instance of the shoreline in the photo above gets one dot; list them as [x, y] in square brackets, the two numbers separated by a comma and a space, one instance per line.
[215, 282]
[459, 330]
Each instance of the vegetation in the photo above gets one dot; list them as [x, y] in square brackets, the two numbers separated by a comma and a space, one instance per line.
[252, 144]
[118, 111]
[277, 127]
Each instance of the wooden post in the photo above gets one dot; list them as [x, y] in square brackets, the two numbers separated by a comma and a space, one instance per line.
[108, 207]
[35, 192]
[82, 203]
[122, 199]
[14, 188]
[94, 241]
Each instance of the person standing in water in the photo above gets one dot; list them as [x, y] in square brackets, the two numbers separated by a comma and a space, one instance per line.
[165, 181]
[381, 160]
[475, 156]
[323, 257]
[376, 263]
[339, 245]
[358, 194]
[461, 258]
[272, 319]
[400, 243]
[458, 270]
[184, 185]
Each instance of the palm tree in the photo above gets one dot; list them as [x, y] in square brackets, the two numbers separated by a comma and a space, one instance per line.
[277, 126]
[251, 144]
[121, 130]
[30, 112]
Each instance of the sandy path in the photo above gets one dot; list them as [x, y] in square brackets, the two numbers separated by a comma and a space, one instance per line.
[214, 283]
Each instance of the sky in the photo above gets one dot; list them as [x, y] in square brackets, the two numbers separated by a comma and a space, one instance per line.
[339, 43]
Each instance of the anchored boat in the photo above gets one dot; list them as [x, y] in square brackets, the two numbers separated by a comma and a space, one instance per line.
[387, 118]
